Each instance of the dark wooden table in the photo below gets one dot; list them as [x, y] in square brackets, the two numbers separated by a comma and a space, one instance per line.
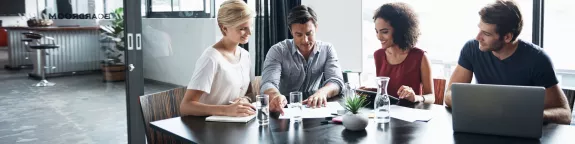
[437, 130]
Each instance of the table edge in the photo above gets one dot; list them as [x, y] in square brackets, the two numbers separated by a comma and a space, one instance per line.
[166, 132]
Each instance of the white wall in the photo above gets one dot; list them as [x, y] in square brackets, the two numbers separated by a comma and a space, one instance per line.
[111, 5]
[340, 24]
[172, 46]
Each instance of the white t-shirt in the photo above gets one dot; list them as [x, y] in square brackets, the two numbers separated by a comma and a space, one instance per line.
[221, 80]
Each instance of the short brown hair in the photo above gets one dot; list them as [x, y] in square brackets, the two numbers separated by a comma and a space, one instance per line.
[301, 14]
[505, 15]
[403, 20]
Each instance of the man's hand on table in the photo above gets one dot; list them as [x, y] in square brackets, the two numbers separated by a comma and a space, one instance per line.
[277, 103]
[317, 100]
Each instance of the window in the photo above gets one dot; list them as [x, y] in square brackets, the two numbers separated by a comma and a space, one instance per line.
[557, 33]
[161, 5]
[445, 26]
[181, 8]
[188, 5]
[111, 5]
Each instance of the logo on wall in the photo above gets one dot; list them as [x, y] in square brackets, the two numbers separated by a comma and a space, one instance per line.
[75, 16]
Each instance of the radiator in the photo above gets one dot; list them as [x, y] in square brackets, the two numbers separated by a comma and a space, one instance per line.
[80, 50]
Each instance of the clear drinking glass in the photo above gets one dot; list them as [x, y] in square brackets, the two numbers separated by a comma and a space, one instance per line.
[382, 102]
[348, 90]
[295, 104]
[262, 106]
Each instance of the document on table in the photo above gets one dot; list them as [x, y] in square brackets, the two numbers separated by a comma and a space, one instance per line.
[230, 118]
[322, 112]
[410, 114]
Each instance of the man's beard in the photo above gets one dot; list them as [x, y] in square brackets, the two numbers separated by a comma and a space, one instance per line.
[498, 45]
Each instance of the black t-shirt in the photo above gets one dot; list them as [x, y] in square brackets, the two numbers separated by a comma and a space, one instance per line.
[529, 65]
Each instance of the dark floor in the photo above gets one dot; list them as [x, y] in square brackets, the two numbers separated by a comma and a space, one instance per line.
[79, 109]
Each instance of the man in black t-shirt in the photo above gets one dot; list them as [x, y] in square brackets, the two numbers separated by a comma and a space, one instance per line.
[496, 56]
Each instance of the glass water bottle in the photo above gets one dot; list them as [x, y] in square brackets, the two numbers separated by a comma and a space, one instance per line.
[382, 102]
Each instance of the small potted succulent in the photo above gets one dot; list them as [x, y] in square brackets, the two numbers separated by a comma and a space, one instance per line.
[354, 120]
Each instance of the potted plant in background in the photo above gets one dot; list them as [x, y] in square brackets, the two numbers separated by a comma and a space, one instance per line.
[40, 20]
[354, 120]
[112, 39]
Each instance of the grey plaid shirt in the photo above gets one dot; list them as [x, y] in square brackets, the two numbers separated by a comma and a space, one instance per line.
[286, 69]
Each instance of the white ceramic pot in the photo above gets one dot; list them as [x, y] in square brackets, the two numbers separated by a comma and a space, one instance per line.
[355, 122]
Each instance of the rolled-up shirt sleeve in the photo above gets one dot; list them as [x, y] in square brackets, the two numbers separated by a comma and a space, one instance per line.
[332, 69]
[272, 70]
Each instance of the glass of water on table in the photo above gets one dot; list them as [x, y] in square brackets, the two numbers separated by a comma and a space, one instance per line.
[295, 104]
[262, 106]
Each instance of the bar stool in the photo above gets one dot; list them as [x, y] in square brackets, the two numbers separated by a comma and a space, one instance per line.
[29, 39]
[41, 57]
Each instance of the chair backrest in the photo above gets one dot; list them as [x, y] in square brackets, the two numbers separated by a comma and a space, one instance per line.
[439, 89]
[256, 85]
[570, 94]
[159, 106]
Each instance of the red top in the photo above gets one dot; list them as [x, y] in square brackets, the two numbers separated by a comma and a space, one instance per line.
[406, 73]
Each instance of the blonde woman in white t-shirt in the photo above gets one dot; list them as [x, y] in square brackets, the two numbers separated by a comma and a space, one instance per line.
[222, 73]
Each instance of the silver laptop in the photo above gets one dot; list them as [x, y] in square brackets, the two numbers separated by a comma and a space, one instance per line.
[498, 109]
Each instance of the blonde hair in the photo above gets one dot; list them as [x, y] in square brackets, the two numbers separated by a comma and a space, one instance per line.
[233, 13]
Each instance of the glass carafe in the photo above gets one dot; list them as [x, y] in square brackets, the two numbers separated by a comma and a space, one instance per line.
[382, 102]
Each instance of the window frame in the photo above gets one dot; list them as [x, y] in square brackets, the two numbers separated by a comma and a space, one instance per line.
[538, 20]
[181, 14]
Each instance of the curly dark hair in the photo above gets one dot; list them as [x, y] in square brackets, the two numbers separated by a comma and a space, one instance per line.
[404, 22]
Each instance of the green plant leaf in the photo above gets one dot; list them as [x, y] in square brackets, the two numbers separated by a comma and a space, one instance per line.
[115, 32]
[354, 103]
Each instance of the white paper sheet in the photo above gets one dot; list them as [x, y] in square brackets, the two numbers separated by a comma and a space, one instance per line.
[230, 119]
[410, 114]
[331, 107]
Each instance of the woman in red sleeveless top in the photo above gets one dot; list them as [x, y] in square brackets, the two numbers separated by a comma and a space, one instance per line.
[407, 67]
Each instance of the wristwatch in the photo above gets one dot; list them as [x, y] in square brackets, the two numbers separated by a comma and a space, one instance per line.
[423, 98]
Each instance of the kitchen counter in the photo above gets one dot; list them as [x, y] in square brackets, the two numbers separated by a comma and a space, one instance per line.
[79, 51]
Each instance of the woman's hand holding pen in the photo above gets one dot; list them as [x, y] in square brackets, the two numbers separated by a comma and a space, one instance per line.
[239, 109]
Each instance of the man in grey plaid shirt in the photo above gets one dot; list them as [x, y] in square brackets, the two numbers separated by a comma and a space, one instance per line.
[301, 64]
